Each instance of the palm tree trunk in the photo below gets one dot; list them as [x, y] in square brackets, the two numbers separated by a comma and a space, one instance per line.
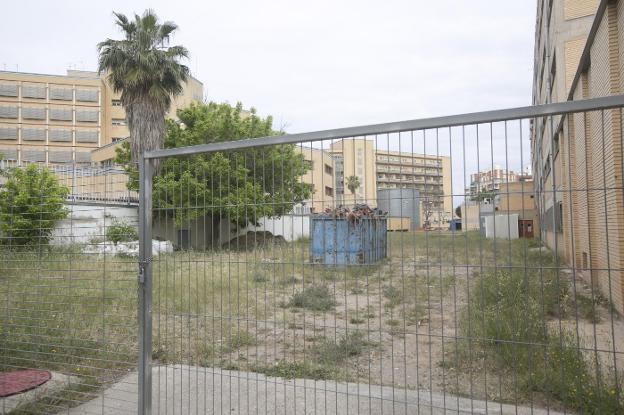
[146, 123]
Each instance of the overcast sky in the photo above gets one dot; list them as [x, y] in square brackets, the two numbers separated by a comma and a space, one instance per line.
[315, 64]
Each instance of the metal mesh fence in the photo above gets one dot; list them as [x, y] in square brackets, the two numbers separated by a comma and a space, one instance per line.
[68, 292]
[467, 264]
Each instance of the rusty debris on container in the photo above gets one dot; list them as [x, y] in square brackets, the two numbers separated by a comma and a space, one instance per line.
[360, 210]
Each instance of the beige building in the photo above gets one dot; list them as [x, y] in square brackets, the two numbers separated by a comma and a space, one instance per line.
[577, 159]
[381, 169]
[519, 198]
[355, 157]
[321, 175]
[60, 119]
[428, 174]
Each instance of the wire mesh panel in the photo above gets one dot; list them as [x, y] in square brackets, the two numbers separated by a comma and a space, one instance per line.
[68, 247]
[496, 284]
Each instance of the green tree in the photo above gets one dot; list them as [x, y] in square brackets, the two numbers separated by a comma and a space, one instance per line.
[353, 183]
[458, 211]
[31, 202]
[148, 74]
[239, 186]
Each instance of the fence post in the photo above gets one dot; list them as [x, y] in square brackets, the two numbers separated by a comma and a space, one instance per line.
[145, 286]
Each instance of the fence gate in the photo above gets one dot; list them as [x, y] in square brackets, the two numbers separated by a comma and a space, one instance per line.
[383, 308]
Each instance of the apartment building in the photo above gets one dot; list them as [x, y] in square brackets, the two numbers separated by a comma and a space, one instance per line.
[428, 174]
[355, 158]
[60, 119]
[321, 176]
[577, 159]
[490, 181]
[378, 169]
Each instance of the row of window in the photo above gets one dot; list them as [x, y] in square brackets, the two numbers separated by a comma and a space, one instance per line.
[53, 93]
[408, 160]
[53, 114]
[52, 134]
[54, 156]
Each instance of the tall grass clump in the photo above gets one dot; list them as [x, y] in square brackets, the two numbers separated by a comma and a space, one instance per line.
[507, 320]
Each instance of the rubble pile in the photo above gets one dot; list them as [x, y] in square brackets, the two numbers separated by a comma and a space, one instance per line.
[360, 210]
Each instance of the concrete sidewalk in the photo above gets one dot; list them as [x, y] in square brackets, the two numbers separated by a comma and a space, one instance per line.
[184, 389]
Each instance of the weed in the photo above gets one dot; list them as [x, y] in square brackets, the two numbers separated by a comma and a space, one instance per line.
[291, 370]
[394, 296]
[330, 352]
[315, 297]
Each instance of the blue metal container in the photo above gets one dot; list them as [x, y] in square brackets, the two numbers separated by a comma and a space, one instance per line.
[342, 242]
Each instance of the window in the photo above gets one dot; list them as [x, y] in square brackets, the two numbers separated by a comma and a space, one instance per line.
[119, 121]
[87, 116]
[34, 92]
[87, 95]
[87, 136]
[115, 139]
[60, 135]
[33, 113]
[328, 169]
[8, 112]
[61, 114]
[8, 90]
[62, 94]
[8, 133]
[329, 191]
[116, 103]
[33, 134]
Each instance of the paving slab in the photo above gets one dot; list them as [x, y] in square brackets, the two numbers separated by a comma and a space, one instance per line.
[182, 389]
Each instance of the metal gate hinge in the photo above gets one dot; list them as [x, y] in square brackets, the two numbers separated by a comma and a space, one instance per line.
[142, 267]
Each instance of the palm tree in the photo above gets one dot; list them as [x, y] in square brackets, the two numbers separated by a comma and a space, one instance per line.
[148, 74]
[353, 183]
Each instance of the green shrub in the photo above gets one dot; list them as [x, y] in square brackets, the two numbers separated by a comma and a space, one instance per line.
[31, 203]
[121, 232]
[507, 316]
[316, 298]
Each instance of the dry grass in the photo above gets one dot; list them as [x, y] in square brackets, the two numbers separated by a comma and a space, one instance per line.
[267, 310]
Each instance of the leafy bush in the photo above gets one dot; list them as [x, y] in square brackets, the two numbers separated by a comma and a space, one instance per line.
[31, 203]
[121, 232]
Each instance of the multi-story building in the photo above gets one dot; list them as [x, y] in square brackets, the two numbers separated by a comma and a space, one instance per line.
[378, 169]
[428, 174]
[355, 158]
[321, 176]
[577, 158]
[489, 181]
[60, 119]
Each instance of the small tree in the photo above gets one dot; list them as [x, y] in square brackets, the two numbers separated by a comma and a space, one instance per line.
[121, 232]
[31, 202]
[458, 211]
[353, 183]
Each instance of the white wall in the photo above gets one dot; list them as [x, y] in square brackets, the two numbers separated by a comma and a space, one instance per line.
[89, 221]
[502, 226]
[291, 227]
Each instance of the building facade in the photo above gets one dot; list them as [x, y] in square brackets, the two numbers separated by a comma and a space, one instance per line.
[355, 158]
[378, 169]
[61, 119]
[321, 176]
[490, 181]
[577, 159]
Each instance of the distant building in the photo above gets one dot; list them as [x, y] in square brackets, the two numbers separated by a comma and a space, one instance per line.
[66, 119]
[489, 182]
[321, 176]
[355, 158]
[378, 169]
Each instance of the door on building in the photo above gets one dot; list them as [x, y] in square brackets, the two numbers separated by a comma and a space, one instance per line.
[525, 228]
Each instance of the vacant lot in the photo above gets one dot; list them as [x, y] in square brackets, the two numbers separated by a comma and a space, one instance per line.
[445, 312]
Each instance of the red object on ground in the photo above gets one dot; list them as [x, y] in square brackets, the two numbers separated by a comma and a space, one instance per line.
[12, 383]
